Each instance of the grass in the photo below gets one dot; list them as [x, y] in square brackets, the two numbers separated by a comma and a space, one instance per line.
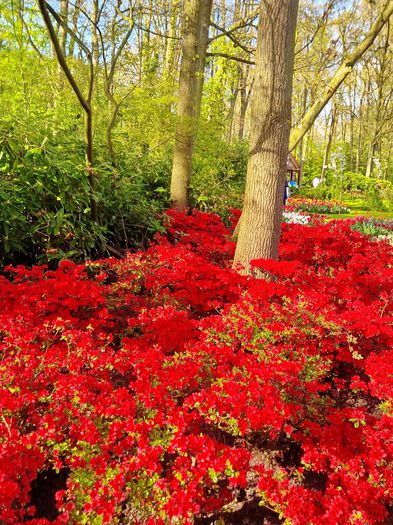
[375, 214]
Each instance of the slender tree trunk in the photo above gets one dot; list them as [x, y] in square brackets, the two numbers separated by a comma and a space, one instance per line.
[223, 10]
[75, 16]
[94, 33]
[352, 130]
[359, 146]
[303, 141]
[62, 31]
[113, 104]
[231, 112]
[243, 102]
[171, 40]
[370, 158]
[270, 125]
[205, 11]
[359, 141]
[196, 20]
[329, 143]
[62, 39]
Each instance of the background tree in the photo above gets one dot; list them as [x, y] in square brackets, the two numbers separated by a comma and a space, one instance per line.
[196, 20]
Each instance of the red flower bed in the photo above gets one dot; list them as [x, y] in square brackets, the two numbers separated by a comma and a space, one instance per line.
[166, 386]
[315, 206]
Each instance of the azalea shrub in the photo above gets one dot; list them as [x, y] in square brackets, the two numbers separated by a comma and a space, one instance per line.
[166, 388]
[297, 204]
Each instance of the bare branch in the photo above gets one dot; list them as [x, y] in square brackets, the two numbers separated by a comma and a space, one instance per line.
[43, 5]
[231, 57]
[229, 34]
[66, 28]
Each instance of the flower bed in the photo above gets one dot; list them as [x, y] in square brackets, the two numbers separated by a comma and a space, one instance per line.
[377, 229]
[165, 386]
[294, 217]
[315, 206]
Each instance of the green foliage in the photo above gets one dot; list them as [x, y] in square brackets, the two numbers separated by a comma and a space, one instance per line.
[46, 208]
[378, 193]
[219, 173]
[374, 194]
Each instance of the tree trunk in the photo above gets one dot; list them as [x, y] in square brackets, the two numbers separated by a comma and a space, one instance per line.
[171, 40]
[231, 113]
[62, 39]
[329, 143]
[303, 142]
[270, 125]
[341, 74]
[370, 158]
[94, 33]
[75, 16]
[352, 128]
[62, 31]
[243, 102]
[205, 11]
[196, 18]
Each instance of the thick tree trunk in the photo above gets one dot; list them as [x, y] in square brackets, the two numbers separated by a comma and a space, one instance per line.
[196, 18]
[341, 74]
[270, 125]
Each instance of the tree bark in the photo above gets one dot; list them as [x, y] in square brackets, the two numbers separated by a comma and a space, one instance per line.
[196, 18]
[62, 31]
[75, 16]
[243, 102]
[231, 112]
[341, 74]
[64, 8]
[370, 158]
[169, 64]
[329, 143]
[94, 33]
[270, 126]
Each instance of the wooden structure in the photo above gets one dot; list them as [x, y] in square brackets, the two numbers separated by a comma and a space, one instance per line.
[293, 170]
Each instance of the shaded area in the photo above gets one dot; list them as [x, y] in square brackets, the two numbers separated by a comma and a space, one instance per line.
[43, 492]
